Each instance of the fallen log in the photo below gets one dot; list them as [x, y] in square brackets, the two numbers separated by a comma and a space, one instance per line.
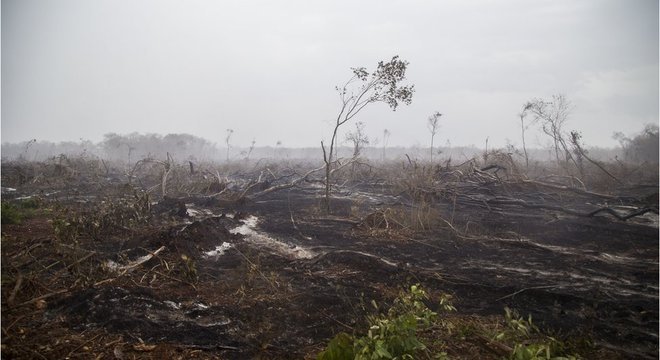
[522, 203]
[287, 185]
[637, 212]
[572, 189]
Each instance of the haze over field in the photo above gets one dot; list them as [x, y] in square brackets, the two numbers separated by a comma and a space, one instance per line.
[75, 69]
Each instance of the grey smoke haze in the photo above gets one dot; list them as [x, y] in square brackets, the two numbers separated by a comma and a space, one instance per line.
[76, 69]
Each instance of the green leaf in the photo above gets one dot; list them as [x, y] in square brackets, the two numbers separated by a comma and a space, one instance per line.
[339, 348]
[381, 351]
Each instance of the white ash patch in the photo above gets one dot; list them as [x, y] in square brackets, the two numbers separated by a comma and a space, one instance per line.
[255, 237]
[172, 304]
[219, 250]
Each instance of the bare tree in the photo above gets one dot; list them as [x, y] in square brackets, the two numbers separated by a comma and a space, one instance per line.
[386, 138]
[230, 132]
[249, 151]
[276, 151]
[358, 138]
[553, 115]
[433, 123]
[26, 148]
[580, 152]
[362, 89]
[523, 127]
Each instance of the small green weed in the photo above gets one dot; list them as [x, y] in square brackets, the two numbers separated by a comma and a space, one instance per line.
[530, 343]
[66, 225]
[517, 326]
[31, 203]
[189, 268]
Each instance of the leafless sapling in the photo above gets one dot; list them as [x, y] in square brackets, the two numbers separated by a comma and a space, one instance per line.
[358, 138]
[433, 123]
[230, 132]
[386, 138]
[250, 150]
[523, 127]
[277, 149]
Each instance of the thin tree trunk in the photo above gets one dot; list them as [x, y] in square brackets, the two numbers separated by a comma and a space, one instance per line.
[328, 167]
[432, 136]
[583, 153]
[522, 128]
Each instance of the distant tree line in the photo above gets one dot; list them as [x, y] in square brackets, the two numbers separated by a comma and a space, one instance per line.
[634, 148]
[136, 146]
[642, 147]
[129, 147]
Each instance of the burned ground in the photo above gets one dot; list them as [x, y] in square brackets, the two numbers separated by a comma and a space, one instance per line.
[92, 273]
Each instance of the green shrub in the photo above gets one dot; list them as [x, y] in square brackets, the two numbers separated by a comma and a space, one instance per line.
[30, 203]
[14, 213]
[10, 214]
[390, 336]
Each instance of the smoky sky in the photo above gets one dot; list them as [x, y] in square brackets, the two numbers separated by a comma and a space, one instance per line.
[75, 69]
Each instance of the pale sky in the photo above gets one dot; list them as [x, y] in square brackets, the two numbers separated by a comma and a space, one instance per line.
[76, 69]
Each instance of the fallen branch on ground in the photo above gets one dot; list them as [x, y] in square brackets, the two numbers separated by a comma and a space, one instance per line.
[522, 203]
[130, 266]
[575, 190]
[287, 185]
[12, 296]
[42, 297]
[532, 288]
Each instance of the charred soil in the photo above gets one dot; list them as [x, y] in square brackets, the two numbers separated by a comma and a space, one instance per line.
[101, 269]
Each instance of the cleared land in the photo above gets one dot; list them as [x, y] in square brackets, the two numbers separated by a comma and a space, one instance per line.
[241, 263]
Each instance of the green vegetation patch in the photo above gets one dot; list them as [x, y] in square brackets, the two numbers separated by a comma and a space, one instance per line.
[15, 212]
[410, 330]
[392, 335]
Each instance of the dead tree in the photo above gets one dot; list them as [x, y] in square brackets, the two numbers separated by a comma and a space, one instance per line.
[167, 169]
[552, 116]
[358, 138]
[433, 123]
[524, 127]
[575, 140]
[230, 132]
[386, 137]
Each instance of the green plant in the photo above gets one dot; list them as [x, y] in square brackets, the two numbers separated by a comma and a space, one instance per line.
[530, 343]
[31, 203]
[10, 214]
[392, 335]
[517, 325]
[536, 352]
[14, 213]
[66, 225]
[190, 269]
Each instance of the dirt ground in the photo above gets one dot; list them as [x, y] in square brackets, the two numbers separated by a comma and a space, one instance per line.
[275, 277]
